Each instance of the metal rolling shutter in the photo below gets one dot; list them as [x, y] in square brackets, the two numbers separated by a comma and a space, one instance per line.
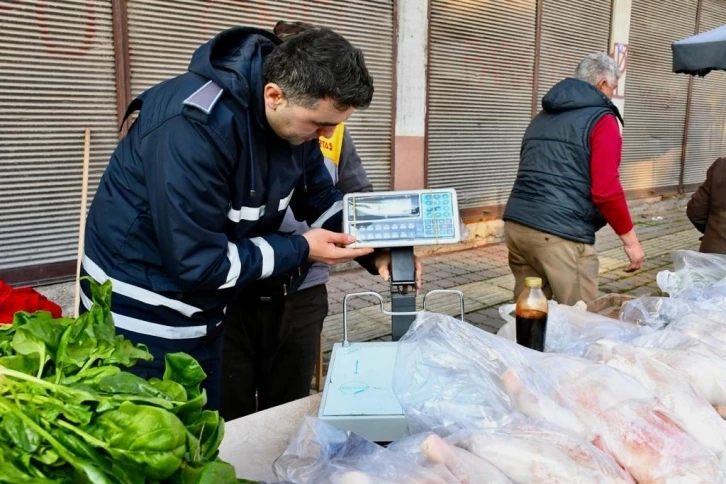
[562, 48]
[655, 98]
[57, 77]
[480, 95]
[706, 140]
[163, 34]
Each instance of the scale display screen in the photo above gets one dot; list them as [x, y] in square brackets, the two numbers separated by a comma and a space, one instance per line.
[403, 218]
[381, 207]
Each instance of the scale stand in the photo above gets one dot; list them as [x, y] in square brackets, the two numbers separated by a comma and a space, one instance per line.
[403, 290]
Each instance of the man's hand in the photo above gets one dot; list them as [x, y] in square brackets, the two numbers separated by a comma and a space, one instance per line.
[633, 250]
[329, 247]
[382, 261]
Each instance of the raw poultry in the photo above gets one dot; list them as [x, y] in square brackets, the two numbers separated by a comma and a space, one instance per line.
[688, 406]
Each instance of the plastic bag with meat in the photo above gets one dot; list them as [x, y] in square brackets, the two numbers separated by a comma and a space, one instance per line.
[688, 406]
[589, 400]
[617, 414]
[443, 380]
[702, 364]
[533, 452]
[462, 467]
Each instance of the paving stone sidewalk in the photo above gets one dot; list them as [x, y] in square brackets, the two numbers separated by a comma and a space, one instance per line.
[484, 277]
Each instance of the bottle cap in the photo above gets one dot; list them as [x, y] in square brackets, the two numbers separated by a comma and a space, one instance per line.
[533, 281]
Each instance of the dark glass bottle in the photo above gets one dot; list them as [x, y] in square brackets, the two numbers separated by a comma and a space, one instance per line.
[531, 315]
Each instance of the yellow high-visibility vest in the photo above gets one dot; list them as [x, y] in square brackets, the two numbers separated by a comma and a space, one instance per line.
[331, 147]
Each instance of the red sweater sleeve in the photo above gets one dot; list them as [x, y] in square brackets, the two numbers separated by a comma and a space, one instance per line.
[606, 146]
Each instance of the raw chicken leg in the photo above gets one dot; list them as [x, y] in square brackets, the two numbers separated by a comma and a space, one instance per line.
[464, 466]
[690, 409]
[530, 452]
[543, 407]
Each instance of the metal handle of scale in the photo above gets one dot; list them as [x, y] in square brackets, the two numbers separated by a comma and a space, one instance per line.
[395, 313]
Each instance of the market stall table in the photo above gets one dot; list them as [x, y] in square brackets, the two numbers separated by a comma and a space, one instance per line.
[252, 443]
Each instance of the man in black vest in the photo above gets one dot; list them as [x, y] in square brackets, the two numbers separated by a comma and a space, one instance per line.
[568, 187]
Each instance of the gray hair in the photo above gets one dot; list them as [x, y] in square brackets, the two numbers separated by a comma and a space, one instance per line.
[593, 68]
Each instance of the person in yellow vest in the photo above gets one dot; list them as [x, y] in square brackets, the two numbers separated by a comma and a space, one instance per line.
[270, 352]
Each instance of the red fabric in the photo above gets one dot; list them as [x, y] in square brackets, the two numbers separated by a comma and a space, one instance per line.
[24, 299]
[606, 146]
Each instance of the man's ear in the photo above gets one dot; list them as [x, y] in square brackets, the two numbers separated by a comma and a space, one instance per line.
[274, 97]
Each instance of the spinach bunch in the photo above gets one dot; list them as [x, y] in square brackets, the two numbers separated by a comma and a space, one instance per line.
[69, 413]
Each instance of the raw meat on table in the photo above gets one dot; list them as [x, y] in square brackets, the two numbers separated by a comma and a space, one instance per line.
[531, 452]
[688, 407]
[617, 414]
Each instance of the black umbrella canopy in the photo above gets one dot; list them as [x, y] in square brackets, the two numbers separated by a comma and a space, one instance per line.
[700, 54]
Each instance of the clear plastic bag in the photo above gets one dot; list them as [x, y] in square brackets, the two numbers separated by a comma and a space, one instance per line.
[323, 454]
[529, 451]
[689, 407]
[697, 276]
[590, 401]
[701, 363]
[570, 329]
[613, 411]
[657, 312]
[450, 462]
[440, 385]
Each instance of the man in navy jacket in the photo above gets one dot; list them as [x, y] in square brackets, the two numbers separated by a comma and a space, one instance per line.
[192, 198]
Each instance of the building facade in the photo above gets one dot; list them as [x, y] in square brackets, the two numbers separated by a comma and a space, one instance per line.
[457, 81]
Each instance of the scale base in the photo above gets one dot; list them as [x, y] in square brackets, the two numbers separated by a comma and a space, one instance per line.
[358, 394]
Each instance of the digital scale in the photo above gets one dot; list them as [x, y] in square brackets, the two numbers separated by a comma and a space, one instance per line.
[402, 219]
[358, 393]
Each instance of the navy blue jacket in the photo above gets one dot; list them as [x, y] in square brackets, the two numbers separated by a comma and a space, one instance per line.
[552, 192]
[191, 200]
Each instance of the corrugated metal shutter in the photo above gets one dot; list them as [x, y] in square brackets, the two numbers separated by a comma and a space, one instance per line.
[706, 140]
[480, 95]
[655, 98]
[57, 77]
[587, 30]
[163, 34]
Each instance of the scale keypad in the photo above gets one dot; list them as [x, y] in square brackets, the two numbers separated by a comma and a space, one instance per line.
[438, 217]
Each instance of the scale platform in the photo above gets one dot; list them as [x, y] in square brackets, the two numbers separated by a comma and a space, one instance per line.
[358, 393]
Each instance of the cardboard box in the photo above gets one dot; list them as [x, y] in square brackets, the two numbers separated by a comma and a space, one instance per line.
[608, 305]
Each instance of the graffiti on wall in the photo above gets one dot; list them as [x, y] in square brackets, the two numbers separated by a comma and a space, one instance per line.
[46, 14]
[620, 54]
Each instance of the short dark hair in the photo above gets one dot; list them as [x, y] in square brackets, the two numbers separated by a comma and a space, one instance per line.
[319, 63]
[285, 30]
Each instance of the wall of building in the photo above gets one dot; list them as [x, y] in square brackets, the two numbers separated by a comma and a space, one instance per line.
[457, 83]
